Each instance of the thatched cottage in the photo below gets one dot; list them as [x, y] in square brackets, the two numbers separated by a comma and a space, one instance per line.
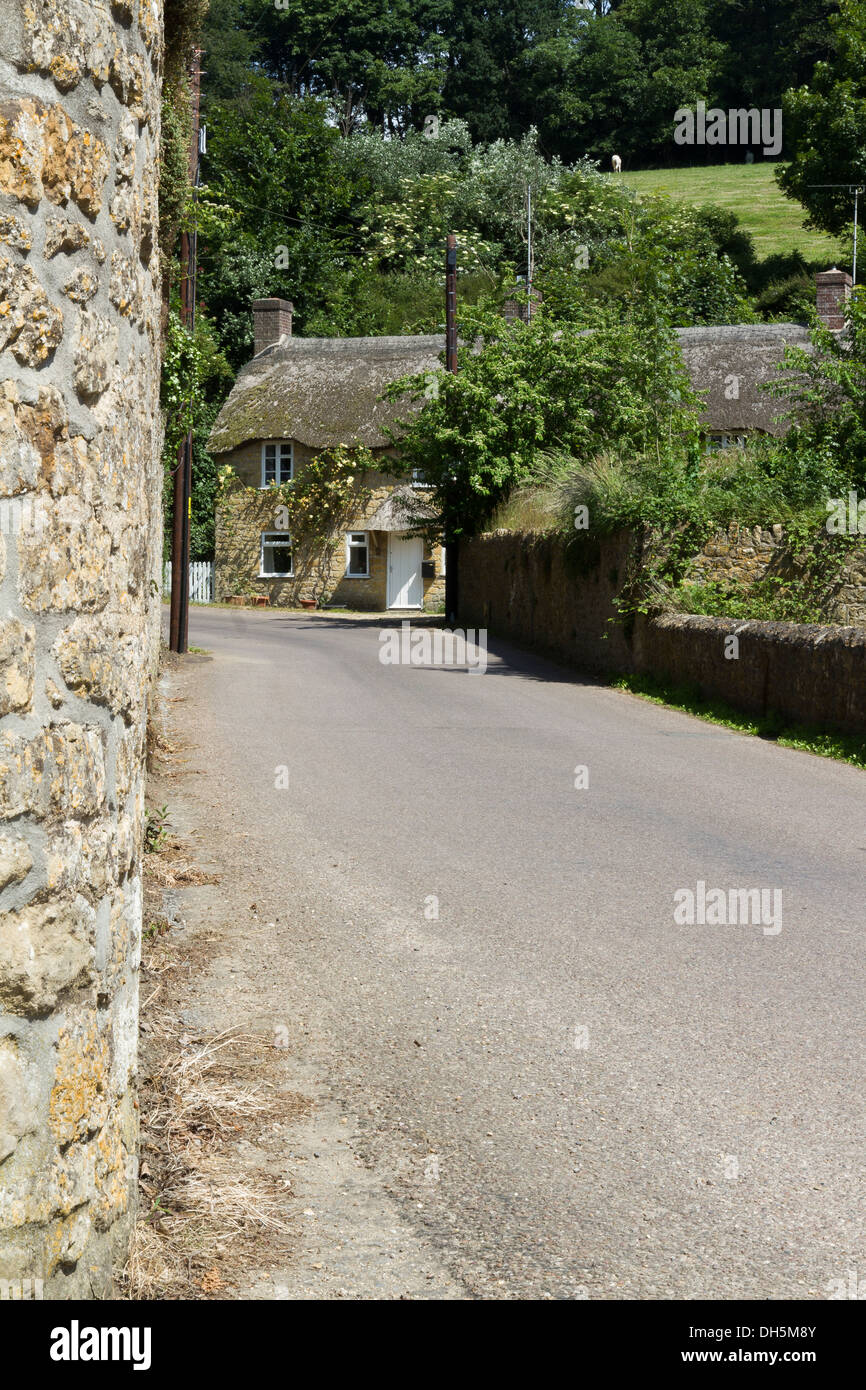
[299, 397]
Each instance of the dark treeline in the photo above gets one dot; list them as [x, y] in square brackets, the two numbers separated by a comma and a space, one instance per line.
[593, 78]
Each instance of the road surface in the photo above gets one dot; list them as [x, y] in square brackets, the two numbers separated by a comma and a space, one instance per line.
[569, 1093]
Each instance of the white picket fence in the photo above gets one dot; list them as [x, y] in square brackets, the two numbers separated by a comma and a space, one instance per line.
[200, 581]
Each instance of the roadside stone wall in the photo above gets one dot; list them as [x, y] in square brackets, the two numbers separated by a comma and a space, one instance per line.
[532, 590]
[80, 497]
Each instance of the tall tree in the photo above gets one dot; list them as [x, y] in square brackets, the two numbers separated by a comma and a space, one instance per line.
[770, 45]
[826, 127]
[681, 59]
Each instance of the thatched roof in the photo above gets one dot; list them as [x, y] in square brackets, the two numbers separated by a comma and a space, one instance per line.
[751, 353]
[322, 391]
[325, 391]
[402, 509]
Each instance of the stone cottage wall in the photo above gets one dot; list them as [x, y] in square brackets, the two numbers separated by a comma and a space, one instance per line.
[80, 499]
[242, 516]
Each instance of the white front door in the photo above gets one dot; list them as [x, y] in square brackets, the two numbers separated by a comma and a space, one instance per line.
[405, 586]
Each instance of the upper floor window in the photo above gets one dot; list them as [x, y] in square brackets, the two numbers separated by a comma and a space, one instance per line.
[419, 478]
[276, 462]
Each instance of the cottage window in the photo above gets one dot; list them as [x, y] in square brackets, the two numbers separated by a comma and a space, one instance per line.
[357, 555]
[276, 556]
[276, 462]
[725, 441]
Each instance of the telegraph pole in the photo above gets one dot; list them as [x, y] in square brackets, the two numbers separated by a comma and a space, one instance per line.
[179, 616]
[451, 549]
[856, 189]
[528, 252]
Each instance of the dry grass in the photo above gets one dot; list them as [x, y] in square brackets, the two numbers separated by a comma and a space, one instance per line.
[169, 866]
[193, 1201]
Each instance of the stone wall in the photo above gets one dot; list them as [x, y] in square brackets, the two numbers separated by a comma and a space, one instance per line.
[536, 592]
[80, 484]
[808, 674]
[744, 554]
[243, 516]
[532, 589]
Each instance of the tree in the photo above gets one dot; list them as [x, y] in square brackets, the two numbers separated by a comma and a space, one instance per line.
[825, 127]
[526, 389]
[681, 58]
[278, 214]
[829, 386]
[588, 87]
[770, 45]
[195, 380]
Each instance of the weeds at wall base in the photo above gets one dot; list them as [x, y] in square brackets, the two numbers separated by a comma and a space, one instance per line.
[846, 748]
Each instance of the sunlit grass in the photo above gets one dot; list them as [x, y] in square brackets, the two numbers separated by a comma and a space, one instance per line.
[845, 748]
[775, 222]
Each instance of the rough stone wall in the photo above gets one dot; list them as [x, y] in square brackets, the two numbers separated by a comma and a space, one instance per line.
[242, 517]
[743, 554]
[529, 589]
[80, 500]
[807, 674]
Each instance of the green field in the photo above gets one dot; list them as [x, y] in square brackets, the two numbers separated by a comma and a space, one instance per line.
[751, 191]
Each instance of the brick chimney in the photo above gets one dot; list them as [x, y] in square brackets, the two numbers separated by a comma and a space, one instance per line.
[272, 320]
[834, 289]
[515, 312]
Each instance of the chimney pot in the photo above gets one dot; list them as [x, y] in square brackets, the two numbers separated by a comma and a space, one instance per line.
[272, 321]
[834, 290]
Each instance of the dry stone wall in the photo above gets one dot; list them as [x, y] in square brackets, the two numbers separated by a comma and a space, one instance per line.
[744, 554]
[562, 600]
[79, 504]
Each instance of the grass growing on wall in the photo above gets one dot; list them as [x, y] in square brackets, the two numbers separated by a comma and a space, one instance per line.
[846, 748]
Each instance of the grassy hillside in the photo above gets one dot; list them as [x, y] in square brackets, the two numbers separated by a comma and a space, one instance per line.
[750, 190]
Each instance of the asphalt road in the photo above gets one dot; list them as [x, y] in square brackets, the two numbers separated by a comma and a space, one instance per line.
[570, 1093]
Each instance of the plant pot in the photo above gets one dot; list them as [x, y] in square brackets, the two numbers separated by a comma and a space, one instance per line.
[309, 603]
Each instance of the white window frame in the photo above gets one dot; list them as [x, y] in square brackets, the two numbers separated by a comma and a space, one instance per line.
[279, 538]
[350, 573]
[283, 448]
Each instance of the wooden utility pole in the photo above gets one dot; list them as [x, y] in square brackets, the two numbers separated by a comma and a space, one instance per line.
[179, 617]
[451, 547]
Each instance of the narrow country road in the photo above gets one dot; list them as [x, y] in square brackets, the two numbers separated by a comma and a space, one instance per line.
[577, 1096]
